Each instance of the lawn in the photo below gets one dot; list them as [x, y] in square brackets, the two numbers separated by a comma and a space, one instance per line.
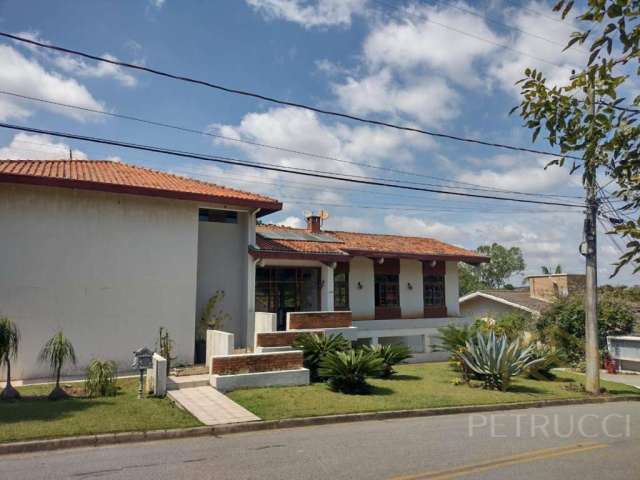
[415, 386]
[36, 417]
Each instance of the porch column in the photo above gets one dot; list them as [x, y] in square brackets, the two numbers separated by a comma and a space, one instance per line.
[326, 290]
[251, 301]
[451, 289]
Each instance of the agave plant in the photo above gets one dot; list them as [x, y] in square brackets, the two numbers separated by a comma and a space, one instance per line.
[56, 352]
[9, 339]
[347, 371]
[496, 360]
[391, 355]
[315, 347]
[100, 380]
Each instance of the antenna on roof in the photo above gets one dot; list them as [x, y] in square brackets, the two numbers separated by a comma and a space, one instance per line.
[307, 213]
[323, 214]
[70, 154]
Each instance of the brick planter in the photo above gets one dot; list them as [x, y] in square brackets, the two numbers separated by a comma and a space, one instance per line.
[310, 320]
[256, 362]
[279, 339]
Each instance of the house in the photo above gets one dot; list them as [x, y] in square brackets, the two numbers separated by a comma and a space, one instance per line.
[110, 252]
[532, 300]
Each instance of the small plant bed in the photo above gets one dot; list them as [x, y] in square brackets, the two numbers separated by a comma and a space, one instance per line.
[413, 387]
[35, 417]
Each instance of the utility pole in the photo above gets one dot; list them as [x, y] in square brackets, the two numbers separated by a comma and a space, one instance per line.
[589, 250]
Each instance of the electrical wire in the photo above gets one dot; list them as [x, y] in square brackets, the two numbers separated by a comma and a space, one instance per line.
[477, 187]
[265, 166]
[269, 99]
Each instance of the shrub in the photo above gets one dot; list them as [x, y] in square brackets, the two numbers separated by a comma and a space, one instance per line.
[165, 347]
[513, 325]
[562, 324]
[549, 359]
[453, 340]
[495, 360]
[315, 347]
[56, 352]
[347, 371]
[391, 355]
[9, 340]
[100, 380]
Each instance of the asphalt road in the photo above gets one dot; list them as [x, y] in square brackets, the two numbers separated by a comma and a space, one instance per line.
[580, 442]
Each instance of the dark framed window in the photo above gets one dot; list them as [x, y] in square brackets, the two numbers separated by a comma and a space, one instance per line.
[433, 290]
[217, 216]
[387, 290]
[341, 287]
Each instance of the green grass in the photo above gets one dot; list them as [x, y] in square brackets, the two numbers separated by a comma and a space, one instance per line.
[415, 386]
[36, 417]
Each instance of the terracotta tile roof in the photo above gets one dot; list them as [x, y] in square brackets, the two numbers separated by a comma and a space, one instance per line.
[366, 244]
[110, 176]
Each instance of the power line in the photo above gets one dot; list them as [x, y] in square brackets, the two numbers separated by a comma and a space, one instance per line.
[269, 99]
[409, 207]
[284, 149]
[265, 166]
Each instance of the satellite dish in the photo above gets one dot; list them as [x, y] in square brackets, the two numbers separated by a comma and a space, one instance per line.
[307, 213]
[324, 214]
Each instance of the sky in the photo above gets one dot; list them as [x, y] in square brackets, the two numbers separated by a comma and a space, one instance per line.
[442, 65]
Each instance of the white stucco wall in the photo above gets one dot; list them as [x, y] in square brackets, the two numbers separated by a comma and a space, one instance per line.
[223, 265]
[411, 301]
[326, 291]
[452, 290]
[361, 301]
[108, 269]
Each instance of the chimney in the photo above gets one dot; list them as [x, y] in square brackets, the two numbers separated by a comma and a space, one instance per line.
[558, 285]
[313, 223]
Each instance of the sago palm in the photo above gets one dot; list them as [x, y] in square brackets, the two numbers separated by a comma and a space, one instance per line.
[315, 347]
[391, 355]
[56, 352]
[348, 371]
[9, 340]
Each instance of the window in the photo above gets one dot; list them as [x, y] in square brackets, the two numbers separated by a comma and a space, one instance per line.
[217, 216]
[341, 287]
[433, 291]
[387, 290]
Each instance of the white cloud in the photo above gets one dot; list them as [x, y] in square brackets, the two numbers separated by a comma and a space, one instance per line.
[27, 77]
[420, 41]
[523, 177]
[157, 3]
[96, 69]
[429, 100]
[25, 146]
[293, 222]
[309, 14]
[531, 52]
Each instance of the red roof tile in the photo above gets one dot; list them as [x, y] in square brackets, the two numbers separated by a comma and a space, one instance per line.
[110, 176]
[365, 244]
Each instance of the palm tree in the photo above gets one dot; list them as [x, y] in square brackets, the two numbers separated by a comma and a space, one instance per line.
[9, 339]
[547, 270]
[56, 352]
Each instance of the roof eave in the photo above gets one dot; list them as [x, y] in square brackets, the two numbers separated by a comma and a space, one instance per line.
[265, 206]
[278, 254]
[472, 259]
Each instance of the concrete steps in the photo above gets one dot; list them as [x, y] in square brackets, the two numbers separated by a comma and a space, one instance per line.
[187, 381]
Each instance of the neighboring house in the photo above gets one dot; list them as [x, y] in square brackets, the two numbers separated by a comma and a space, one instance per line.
[531, 300]
[110, 252]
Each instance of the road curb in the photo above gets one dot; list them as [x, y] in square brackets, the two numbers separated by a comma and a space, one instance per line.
[219, 430]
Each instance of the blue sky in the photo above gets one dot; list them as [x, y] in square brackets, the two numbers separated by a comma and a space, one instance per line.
[434, 64]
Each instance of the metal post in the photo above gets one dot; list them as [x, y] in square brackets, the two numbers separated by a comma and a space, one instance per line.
[592, 355]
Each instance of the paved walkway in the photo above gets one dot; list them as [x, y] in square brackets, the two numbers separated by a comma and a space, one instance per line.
[210, 406]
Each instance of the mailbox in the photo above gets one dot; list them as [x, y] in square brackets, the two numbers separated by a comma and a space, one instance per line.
[142, 359]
